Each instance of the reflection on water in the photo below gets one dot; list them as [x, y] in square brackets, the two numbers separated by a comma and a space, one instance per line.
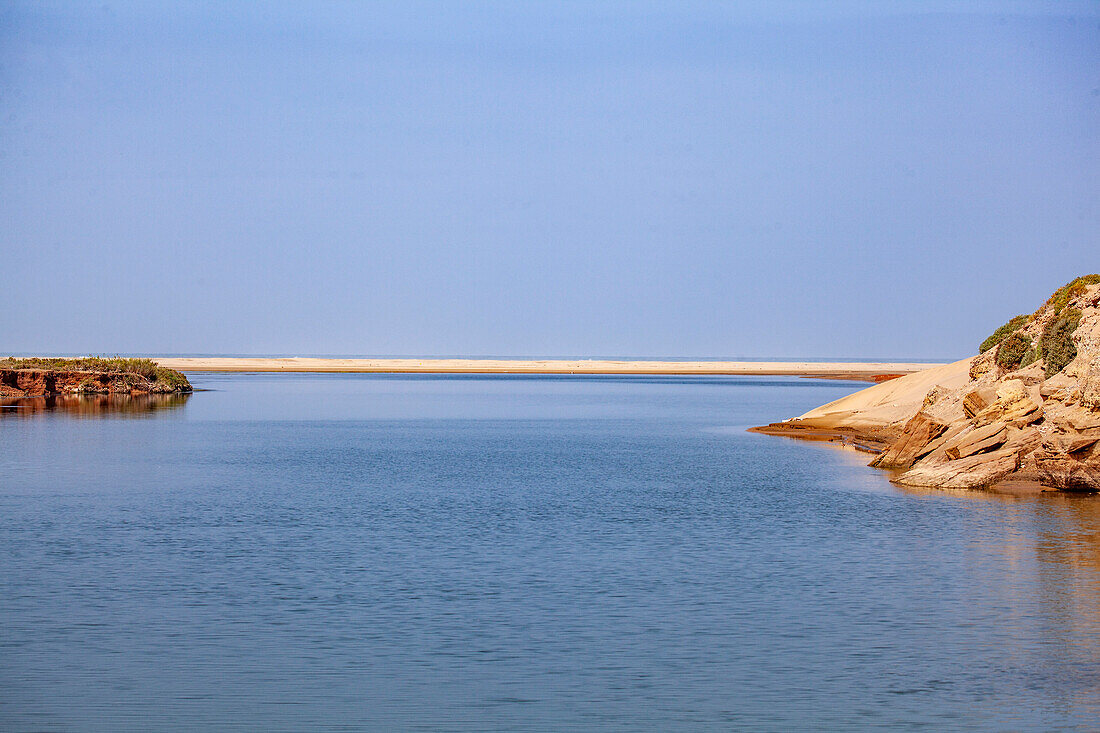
[353, 552]
[1034, 560]
[97, 405]
[1061, 528]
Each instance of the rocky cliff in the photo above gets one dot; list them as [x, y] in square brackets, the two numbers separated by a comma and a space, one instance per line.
[1025, 410]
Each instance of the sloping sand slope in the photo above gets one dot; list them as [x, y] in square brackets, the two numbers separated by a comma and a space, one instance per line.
[888, 404]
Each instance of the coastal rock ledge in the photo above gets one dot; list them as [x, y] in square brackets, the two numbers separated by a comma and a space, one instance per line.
[36, 377]
[1025, 411]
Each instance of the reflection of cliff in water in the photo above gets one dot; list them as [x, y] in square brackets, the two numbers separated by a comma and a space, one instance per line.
[1063, 536]
[93, 405]
[1037, 554]
[1054, 527]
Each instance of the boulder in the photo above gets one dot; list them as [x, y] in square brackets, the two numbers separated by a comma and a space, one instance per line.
[979, 440]
[1013, 405]
[1078, 470]
[972, 472]
[979, 399]
[917, 439]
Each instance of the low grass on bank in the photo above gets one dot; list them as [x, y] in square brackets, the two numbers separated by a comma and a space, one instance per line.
[146, 368]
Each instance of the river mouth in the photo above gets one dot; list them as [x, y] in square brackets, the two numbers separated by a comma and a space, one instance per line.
[462, 553]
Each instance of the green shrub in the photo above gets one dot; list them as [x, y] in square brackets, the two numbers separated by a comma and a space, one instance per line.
[1033, 354]
[1056, 343]
[1012, 350]
[1002, 333]
[171, 378]
[1073, 288]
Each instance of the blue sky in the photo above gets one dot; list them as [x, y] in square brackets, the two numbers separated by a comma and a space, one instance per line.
[858, 180]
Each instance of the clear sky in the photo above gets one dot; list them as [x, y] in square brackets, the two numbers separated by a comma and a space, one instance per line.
[879, 179]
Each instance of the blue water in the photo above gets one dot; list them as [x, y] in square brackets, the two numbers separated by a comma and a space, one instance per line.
[362, 552]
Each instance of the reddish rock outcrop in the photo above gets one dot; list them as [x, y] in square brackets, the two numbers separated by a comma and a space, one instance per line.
[47, 383]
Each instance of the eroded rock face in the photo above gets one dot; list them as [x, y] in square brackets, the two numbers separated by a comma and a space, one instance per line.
[978, 440]
[46, 383]
[971, 472]
[1013, 405]
[917, 440]
[1090, 387]
[978, 399]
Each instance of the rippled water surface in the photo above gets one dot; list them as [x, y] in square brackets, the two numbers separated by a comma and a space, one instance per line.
[347, 552]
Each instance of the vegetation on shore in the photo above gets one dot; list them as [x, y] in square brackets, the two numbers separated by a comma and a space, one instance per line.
[1019, 344]
[1002, 333]
[145, 368]
[1011, 351]
[1056, 344]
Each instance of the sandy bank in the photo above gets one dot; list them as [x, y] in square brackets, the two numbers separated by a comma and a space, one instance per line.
[843, 370]
[872, 418]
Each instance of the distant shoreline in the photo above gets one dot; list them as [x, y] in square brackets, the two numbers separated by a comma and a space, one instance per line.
[864, 371]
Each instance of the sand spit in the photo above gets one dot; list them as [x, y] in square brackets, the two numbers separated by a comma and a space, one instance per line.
[865, 371]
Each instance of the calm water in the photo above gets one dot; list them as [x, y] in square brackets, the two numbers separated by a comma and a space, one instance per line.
[353, 552]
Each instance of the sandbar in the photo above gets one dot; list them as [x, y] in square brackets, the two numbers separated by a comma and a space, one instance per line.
[866, 371]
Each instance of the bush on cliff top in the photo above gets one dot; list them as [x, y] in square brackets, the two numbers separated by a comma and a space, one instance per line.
[146, 368]
[1002, 333]
[1073, 288]
[1056, 343]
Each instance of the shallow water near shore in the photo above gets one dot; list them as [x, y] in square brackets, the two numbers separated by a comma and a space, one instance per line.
[376, 552]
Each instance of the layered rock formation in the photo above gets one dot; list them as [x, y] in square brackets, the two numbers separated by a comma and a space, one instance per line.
[1025, 410]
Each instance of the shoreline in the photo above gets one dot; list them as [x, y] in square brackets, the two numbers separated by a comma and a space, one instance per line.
[848, 437]
[859, 371]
